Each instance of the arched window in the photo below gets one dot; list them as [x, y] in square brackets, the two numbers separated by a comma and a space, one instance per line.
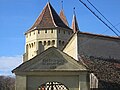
[60, 42]
[52, 31]
[40, 42]
[45, 31]
[30, 33]
[53, 42]
[32, 45]
[44, 42]
[29, 46]
[52, 86]
[48, 42]
[38, 31]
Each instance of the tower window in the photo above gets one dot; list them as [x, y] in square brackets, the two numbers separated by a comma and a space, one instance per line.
[38, 31]
[27, 48]
[60, 42]
[51, 31]
[48, 42]
[40, 42]
[29, 45]
[44, 42]
[53, 42]
[45, 31]
[32, 45]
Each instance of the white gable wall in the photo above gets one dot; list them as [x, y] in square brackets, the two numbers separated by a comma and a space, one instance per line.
[72, 47]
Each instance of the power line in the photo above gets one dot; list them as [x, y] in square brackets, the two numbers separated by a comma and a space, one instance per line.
[86, 41]
[103, 16]
[97, 36]
[98, 17]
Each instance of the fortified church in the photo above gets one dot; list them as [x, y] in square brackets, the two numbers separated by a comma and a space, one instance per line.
[59, 57]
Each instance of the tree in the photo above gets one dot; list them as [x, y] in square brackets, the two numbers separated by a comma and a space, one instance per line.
[7, 83]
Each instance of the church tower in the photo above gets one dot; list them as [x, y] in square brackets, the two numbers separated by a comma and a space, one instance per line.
[48, 30]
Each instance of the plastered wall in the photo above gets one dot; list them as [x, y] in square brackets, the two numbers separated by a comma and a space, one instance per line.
[46, 37]
[71, 82]
[99, 46]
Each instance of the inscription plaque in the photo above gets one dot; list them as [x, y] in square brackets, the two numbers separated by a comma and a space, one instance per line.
[52, 63]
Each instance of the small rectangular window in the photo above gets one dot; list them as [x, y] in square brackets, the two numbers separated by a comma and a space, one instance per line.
[45, 31]
[51, 31]
[38, 31]
[48, 42]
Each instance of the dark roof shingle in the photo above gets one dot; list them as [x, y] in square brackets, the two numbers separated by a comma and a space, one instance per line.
[107, 71]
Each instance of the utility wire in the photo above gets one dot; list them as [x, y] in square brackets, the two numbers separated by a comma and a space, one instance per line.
[103, 16]
[86, 41]
[98, 17]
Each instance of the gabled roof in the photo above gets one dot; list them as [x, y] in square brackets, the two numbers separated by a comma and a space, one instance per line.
[51, 59]
[63, 17]
[75, 24]
[48, 19]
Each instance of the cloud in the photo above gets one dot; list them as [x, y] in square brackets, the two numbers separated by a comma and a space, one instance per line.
[7, 64]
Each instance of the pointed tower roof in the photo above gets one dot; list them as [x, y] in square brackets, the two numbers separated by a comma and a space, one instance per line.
[62, 15]
[48, 19]
[74, 23]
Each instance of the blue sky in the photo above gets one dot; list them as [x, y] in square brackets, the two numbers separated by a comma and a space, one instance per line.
[17, 16]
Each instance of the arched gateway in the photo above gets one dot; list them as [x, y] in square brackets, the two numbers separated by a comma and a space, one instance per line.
[52, 86]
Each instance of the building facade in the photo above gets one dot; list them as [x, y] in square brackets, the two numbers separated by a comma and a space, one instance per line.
[58, 57]
[48, 30]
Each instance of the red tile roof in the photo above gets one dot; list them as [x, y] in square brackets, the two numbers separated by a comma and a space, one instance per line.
[63, 17]
[75, 24]
[48, 19]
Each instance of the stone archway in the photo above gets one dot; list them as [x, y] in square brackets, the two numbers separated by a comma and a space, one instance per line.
[52, 86]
